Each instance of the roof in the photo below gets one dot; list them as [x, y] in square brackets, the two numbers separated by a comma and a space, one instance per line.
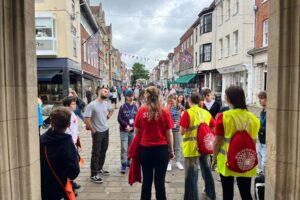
[85, 9]
[108, 28]
[187, 34]
[207, 9]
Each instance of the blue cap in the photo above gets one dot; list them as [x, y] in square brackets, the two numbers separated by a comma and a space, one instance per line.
[128, 93]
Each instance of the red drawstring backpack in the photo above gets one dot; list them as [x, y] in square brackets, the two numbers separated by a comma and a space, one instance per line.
[242, 155]
[205, 137]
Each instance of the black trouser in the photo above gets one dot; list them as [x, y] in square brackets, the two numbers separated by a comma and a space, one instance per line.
[244, 184]
[99, 148]
[154, 160]
[119, 95]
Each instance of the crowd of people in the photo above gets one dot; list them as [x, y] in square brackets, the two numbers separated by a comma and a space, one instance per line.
[160, 126]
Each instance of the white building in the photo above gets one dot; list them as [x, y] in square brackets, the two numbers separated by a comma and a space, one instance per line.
[205, 50]
[234, 25]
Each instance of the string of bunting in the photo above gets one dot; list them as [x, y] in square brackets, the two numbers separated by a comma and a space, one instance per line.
[146, 59]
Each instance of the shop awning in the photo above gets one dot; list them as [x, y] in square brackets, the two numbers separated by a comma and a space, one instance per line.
[185, 78]
[47, 75]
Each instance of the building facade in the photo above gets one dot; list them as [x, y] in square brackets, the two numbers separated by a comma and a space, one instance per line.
[234, 25]
[260, 52]
[90, 57]
[57, 25]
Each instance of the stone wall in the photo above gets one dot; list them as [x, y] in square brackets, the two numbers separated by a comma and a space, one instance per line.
[19, 143]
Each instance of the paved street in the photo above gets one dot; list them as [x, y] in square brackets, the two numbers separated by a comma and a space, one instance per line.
[116, 186]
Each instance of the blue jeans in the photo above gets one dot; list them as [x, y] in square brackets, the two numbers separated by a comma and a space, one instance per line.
[261, 151]
[126, 139]
[191, 178]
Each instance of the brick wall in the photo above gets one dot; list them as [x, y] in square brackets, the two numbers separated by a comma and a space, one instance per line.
[261, 15]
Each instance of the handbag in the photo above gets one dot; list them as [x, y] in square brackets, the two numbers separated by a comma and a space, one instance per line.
[68, 187]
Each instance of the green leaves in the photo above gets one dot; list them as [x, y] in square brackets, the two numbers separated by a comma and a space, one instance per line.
[139, 72]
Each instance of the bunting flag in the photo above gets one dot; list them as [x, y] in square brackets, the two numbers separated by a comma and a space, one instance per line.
[141, 58]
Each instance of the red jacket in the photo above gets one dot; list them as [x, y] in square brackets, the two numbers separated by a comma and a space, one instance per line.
[134, 153]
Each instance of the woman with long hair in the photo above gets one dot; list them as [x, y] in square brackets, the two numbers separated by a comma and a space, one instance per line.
[175, 109]
[230, 123]
[155, 126]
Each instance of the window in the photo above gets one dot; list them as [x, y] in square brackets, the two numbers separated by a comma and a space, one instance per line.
[228, 10]
[45, 27]
[221, 14]
[221, 48]
[196, 59]
[205, 53]
[84, 52]
[236, 7]
[196, 35]
[265, 77]
[227, 39]
[265, 32]
[74, 43]
[235, 42]
[206, 23]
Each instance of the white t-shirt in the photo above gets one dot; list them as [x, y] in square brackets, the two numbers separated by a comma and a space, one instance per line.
[73, 128]
[209, 104]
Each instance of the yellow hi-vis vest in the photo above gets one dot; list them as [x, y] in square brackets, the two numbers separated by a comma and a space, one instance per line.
[189, 139]
[234, 120]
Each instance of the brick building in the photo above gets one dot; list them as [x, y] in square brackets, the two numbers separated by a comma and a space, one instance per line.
[260, 52]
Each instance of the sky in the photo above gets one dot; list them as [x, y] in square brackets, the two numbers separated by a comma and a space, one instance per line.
[149, 28]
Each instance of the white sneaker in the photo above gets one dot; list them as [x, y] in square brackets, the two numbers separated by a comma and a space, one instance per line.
[179, 166]
[169, 168]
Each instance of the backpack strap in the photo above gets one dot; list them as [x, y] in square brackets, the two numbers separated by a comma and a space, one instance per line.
[53, 172]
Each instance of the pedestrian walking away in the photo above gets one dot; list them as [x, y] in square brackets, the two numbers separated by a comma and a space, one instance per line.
[175, 111]
[155, 126]
[189, 124]
[236, 131]
[96, 115]
[126, 118]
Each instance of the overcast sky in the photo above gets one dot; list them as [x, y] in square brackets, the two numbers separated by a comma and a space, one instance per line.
[149, 28]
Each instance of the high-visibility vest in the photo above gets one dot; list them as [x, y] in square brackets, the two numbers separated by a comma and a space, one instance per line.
[189, 139]
[243, 117]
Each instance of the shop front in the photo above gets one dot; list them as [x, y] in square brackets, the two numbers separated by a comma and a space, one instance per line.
[55, 77]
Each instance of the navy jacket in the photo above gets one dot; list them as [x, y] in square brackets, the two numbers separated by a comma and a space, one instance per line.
[64, 160]
[126, 112]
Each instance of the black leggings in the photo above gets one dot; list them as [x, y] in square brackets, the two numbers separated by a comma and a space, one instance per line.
[154, 160]
[244, 184]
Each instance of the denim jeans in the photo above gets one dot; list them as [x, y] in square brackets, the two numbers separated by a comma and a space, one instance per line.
[126, 139]
[261, 151]
[99, 148]
[177, 145]
[191, 178]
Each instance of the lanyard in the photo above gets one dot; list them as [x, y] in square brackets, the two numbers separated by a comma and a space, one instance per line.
[131, 114]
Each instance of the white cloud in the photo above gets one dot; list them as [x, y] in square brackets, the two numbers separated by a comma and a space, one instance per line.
[150, 29]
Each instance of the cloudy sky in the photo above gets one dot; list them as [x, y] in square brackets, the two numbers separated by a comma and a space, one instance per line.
[149, 28]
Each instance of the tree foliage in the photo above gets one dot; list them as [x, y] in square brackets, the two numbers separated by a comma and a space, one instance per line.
[139, 72]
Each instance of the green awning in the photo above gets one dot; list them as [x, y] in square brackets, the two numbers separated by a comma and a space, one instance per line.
[171, 82]
[185, 78]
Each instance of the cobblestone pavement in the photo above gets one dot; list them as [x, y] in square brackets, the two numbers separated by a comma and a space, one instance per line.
[116, 186]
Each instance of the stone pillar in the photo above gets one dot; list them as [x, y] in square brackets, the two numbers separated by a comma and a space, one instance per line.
[283, 117]
[19, 140]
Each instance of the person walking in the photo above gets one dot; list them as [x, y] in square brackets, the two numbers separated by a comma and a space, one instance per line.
[189, 124]
[120, 91]
[58, 156]
[261, 150]
[229, 124]
[89, 94]
[155, 126]
[126, 116]
[96, 115]
[114, 96]
[209, 104]
[175, 110]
